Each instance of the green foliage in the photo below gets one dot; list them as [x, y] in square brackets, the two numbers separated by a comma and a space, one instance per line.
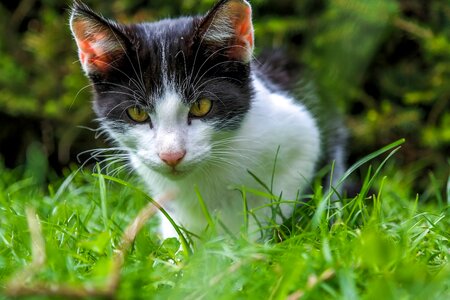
[386, 246]
[345, 42]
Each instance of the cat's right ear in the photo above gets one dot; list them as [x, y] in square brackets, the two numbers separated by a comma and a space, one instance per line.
[100, 42]
[228, 27]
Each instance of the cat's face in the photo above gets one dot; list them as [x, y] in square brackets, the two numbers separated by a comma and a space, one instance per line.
[166, 91]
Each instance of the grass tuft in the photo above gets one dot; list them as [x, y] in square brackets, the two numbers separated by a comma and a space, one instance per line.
[386, 242]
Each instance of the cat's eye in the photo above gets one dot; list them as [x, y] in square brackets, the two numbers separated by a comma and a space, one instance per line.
[137, 114]
[200, 108]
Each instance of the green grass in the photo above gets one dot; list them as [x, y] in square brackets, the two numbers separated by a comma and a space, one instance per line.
[385, 243]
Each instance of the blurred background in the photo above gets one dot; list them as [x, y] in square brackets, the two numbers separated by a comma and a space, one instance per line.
[385, 63]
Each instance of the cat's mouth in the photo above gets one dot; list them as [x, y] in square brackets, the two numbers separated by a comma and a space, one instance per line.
[175, 173]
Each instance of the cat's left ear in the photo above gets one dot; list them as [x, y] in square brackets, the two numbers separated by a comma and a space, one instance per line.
[228, 27]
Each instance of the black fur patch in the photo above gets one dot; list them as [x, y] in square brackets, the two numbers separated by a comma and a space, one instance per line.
[170, 54]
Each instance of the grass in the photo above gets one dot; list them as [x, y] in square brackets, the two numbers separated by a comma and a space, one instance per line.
[385, 243]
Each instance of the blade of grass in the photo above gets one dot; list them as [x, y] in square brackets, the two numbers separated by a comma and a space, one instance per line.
[102, 190]
[184, 243]
[323, 203]
[273, 169]
[365, 188]
[245, 207]
[359, 199]
[260, 181]
[205, 210]
[368, 158]
[65, 184]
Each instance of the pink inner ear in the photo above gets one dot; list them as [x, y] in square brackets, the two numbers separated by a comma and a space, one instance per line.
[90, 54]
[93, 47]
[242, 21]
[244, 27]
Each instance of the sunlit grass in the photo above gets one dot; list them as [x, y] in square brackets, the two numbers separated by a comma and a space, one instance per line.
[384, 243]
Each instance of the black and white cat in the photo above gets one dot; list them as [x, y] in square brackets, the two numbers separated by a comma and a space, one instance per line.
[191, 107]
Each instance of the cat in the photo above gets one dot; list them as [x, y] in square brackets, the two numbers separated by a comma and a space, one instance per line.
[197, 114]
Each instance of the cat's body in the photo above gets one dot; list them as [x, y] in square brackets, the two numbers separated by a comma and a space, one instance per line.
[195, 113]
[253, 147]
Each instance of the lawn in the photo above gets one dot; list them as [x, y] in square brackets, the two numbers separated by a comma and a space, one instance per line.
[69, 236]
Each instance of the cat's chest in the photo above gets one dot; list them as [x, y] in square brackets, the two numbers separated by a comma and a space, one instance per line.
[220, 196]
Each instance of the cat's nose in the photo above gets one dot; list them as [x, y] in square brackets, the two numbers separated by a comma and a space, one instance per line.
[172, 158]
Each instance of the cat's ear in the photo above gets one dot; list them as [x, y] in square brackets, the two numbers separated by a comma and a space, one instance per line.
[100, 42]
[228, 26]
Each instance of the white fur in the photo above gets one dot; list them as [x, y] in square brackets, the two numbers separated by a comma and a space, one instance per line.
[220, 30]
[215, 163]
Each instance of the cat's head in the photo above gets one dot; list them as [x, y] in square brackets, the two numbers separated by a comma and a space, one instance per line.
[166, 90]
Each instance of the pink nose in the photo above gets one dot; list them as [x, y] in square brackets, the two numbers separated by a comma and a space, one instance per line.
[172, 158]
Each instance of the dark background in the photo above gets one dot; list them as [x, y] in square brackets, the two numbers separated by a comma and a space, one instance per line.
[384, 63]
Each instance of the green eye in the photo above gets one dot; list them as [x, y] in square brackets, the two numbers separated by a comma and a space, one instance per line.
[137, 114]
[201, 108]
